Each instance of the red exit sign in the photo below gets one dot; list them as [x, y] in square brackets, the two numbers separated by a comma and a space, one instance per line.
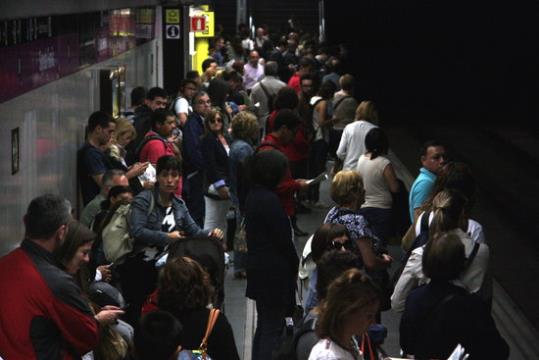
[198, 23]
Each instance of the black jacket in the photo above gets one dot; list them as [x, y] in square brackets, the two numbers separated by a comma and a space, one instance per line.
[438, 316]
[215, 158]
[272, 261]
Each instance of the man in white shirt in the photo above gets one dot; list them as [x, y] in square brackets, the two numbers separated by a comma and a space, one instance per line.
[252, 71]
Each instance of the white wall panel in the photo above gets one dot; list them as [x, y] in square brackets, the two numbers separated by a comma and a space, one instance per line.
[51, 121]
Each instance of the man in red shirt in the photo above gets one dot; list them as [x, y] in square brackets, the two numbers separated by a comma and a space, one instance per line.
[43, 314]
[284, 131]
[156, 141]
[306, 66]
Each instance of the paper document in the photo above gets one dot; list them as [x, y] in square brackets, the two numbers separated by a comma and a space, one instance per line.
[318, 179]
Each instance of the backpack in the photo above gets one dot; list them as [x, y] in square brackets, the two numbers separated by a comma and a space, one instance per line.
[116, 237]
[146, 140]
[243, 174]
[288, 349]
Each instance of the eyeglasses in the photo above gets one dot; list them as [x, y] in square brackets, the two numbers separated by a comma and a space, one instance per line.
[216, 120]
[336, 245]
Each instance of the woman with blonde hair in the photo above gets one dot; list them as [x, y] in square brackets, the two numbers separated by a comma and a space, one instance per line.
[125, 133]
[352, 144]
[347, 191]
[245, 131]
[448, 216]
[348, 309]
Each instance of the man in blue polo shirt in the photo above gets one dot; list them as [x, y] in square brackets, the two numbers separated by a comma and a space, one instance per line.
[432, 161]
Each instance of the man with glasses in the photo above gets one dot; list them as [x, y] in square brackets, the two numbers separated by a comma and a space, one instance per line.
[433, 157]
[193, 167]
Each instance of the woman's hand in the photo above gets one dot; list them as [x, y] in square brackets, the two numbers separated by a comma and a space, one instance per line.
[176, 235]
[137, 169]
[217, 233]
[108, 315]
[106, 274]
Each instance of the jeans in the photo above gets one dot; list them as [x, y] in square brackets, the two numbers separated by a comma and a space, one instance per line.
[269, 327]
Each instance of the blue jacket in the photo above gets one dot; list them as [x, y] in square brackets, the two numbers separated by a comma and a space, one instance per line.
[192, 154]
[146, 228]
[239, 150]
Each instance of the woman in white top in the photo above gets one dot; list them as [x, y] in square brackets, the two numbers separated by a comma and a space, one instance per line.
[347, 311]
[380, 181]
[448, 209]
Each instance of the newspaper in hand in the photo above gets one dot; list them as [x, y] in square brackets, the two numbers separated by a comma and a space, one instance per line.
[323, 176]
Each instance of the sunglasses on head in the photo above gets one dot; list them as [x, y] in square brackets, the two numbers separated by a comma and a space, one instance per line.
[336, 245]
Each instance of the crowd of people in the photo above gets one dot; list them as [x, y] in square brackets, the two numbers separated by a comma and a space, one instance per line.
[242, 138]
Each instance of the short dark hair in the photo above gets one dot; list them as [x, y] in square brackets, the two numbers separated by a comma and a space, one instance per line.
[159, 116]
[156, 92]
[327, 89]
[168, 163]
[186, 82]
[332, 264]
[427, 144]
[157, 336]
[99, 118]
[268, 168]
[288, 118]
[376, 142]
[207, 63]
[118, 190]
[286, 98]
[323, 236]
[191, 75]
[138, 95]
[306, 62]
[45, 214]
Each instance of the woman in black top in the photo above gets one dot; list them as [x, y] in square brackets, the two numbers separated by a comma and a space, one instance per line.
[184, 290]
[215, 151]
[440, 315]
[272, 261]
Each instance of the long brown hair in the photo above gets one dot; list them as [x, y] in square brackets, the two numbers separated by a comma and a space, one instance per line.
[183, 285]
[348, 293]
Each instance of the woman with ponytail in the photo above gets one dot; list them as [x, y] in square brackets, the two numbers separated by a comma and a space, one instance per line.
[448, 216]
[380, 182]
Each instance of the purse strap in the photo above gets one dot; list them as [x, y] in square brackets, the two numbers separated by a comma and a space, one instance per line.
[212, 318]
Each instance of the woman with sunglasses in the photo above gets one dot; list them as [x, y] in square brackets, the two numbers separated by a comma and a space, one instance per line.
[328, 237]
[215, 149]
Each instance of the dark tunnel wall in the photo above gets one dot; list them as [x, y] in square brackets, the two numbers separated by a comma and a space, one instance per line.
[444, 62]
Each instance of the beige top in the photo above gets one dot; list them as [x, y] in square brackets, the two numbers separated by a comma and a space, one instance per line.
[377, 192]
